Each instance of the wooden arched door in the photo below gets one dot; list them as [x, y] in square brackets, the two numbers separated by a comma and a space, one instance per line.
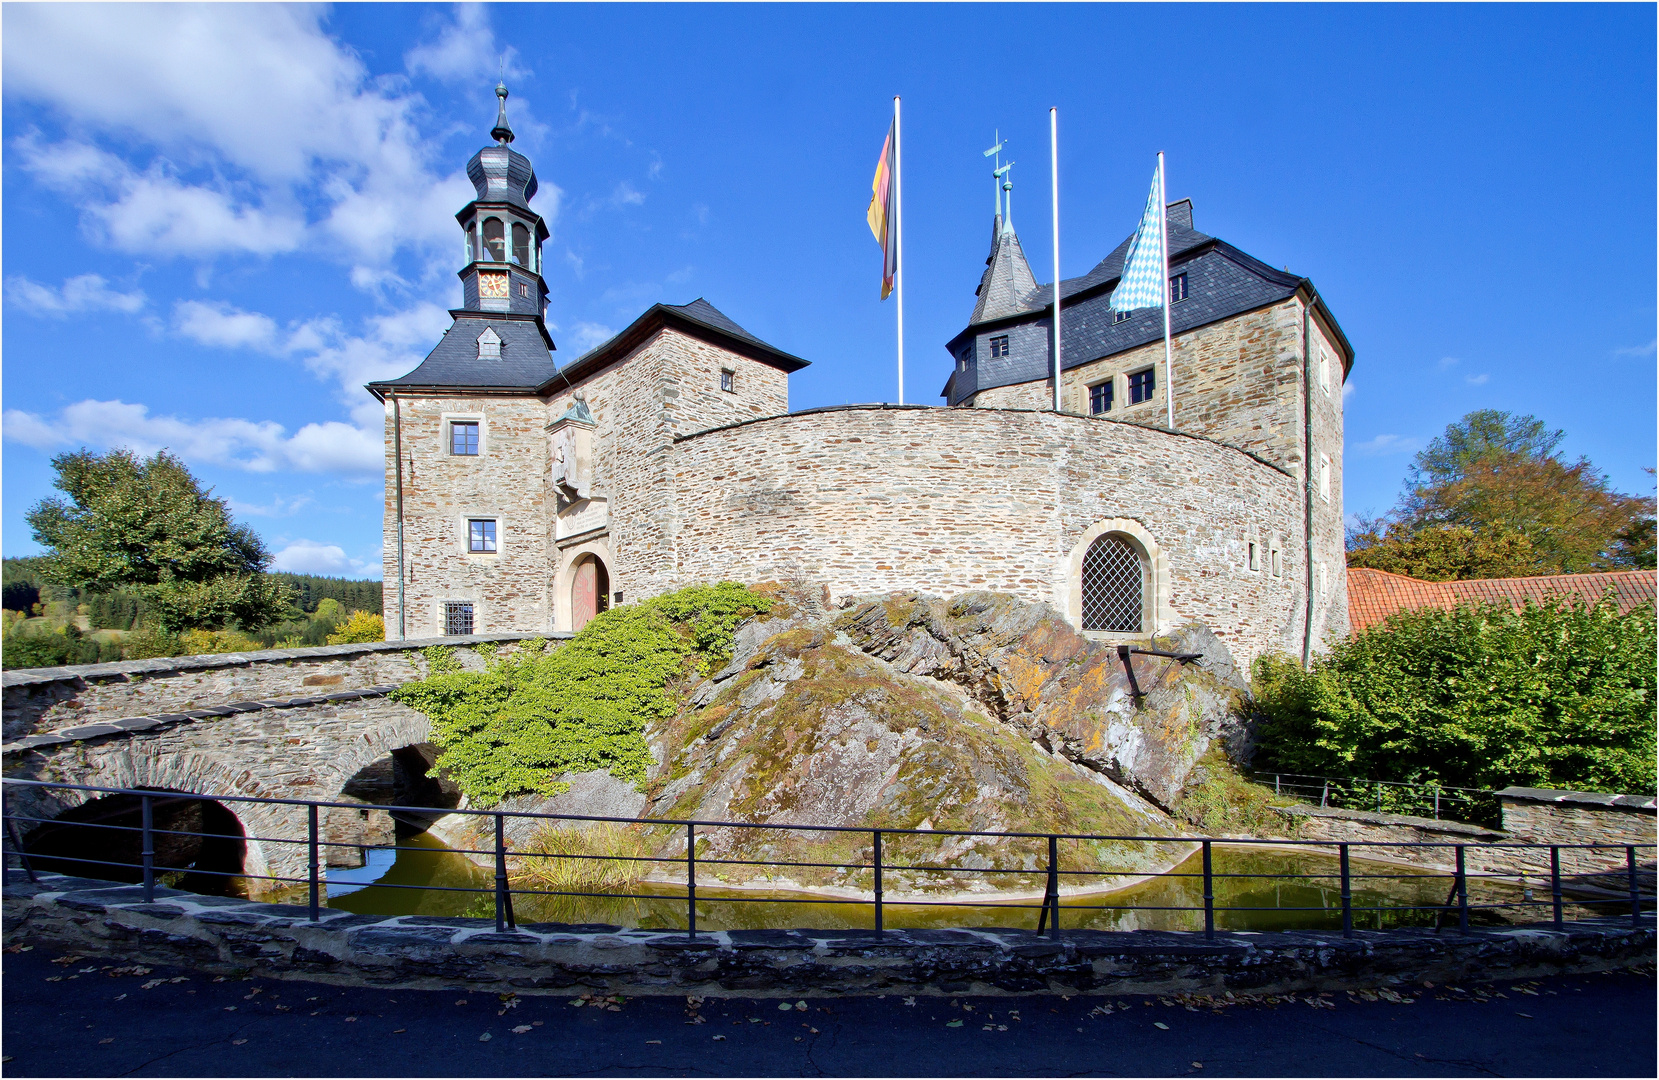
[590, 591]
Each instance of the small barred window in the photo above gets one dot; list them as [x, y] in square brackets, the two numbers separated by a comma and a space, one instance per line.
[457, 619]
[1114, 586]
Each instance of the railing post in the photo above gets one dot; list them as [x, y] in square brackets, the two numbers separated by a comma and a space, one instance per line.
[17, 843]
[1635, 896]
[691, 879]
[1437, 804]
[1209, 895]
[1275, 783]
[1379, 796]
[1054, 885]
[311, 841]
[149, 849]
[876, 835]
[1325, 793]
[1347, 895]
[503, 896]
[1462, 894]
[1555, 882]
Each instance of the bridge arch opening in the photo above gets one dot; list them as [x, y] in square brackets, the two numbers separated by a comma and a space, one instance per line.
[405, 777]
[199, 844]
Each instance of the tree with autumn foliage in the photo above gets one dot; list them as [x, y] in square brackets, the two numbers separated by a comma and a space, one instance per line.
[1492, 497]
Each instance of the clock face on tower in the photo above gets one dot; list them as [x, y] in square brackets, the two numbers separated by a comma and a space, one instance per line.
[492, 286]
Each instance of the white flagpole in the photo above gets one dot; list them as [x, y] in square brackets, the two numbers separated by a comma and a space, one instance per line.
[1163, 234]
[898, 223]
[1054, 175]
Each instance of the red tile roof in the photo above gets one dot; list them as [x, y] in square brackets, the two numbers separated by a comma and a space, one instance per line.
[1375, 594]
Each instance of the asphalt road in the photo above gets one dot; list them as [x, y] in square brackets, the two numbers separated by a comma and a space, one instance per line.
[91, 1018]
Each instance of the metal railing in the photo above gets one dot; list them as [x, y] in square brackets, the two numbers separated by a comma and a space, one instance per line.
[1049, 909]
[1424, 798]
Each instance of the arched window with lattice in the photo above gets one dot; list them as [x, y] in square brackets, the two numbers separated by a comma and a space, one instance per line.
[1114, 586]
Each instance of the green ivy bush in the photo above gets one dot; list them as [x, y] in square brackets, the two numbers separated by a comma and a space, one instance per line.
[530, 717]
[1554, 696]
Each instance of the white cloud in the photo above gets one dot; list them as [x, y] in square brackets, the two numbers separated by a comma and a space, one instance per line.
[255, 446]
[239, 140]
[1637, 350]
[464, 50]
[1388, 444]
[278, 506]
[626, 194]
[1347, 391]
[575, 262]
[223, 326]
[312, 557]
[1477, 380]
[1449, 361]
[587, 334]
[88, 292]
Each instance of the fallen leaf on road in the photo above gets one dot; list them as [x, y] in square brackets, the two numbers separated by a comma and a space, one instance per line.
[103, 1041]
[784, 1006]
[230, 1008]
[954, 1023]
[653, 1042]
[484, 1037]
[535, 1023]
[577, 1002]
[399, 1031]
[719, 1038]
[351, 1019]
[237, 1042]
[460, 1001]
[1160, 1025]
[910, 1001]
[801, 1006]
[521, 1029]
[120, 997]
[1527, 1015]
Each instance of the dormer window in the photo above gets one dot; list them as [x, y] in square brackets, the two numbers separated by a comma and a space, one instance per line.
[524, 289]
[999, 346]
[489, 344]
[1120, 316]
[495, 242]
[1177, 288]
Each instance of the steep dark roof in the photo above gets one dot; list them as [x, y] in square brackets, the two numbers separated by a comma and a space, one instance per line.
[698, 318]
[1008, 282]
[1222, 282]
[526, 360]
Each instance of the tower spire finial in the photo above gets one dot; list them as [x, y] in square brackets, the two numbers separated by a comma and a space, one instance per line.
[501, 133]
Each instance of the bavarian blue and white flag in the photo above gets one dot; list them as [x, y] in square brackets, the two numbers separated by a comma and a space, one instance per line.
[1142, 283]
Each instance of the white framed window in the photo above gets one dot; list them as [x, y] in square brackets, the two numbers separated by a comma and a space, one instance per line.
[481, 536]
[1143, 385]
[1325, 477]
[728, 380]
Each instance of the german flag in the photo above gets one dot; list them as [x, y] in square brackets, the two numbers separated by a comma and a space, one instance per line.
[883, 213]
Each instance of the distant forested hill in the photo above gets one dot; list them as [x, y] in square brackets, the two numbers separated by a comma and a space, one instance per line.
[23, 587]
[353, 594]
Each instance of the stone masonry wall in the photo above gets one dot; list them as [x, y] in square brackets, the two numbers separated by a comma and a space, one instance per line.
[42, 699]
[297, 753]
[1239, 382]
[506, 481]
[1582, 821]
[669, 385]
[870, 499]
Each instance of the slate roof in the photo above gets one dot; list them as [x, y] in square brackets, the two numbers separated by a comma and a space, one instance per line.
[526, 360]
[1222, 282]
[699, 318]
[1007, 285]
[1373, 595]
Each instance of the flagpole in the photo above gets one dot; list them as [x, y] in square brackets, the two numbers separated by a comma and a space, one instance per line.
[1163, 235]
[1054, 175]
[898, 223]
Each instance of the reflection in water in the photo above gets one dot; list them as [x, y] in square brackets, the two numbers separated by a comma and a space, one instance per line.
[1252, 887]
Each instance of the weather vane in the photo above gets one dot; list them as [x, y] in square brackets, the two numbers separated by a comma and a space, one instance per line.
[1002, 183]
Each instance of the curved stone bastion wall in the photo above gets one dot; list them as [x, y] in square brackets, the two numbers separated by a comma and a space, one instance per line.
[869, 499]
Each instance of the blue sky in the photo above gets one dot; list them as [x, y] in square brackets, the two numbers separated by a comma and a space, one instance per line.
[220, 221]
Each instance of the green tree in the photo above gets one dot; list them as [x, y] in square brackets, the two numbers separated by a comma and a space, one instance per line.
[1491, 497]
[147, 525]
[1555, 696]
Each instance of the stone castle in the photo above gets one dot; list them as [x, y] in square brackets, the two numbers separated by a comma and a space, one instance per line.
[525, 495]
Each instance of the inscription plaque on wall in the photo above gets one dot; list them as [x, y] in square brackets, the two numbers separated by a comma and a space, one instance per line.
[582, 516]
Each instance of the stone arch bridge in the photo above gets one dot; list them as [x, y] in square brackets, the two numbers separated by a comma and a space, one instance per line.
[277, 724]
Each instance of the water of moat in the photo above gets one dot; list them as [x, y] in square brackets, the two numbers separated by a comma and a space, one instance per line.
[422, 876]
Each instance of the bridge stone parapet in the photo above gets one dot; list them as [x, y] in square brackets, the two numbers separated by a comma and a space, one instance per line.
[45, 699]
